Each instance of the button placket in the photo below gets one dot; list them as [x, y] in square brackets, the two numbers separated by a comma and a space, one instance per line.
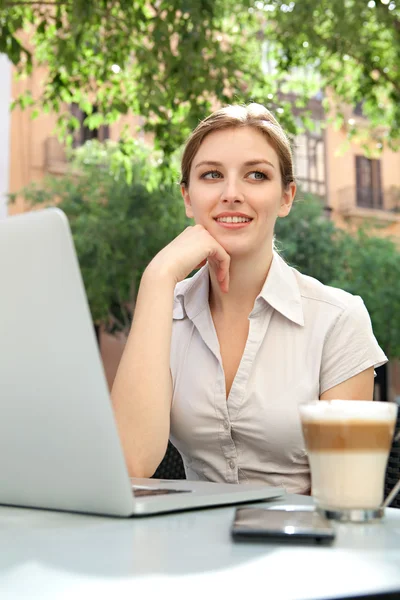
[259, 318]
[226, 443]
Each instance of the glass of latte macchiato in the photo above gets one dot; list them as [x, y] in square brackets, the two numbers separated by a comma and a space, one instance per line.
[348, 444]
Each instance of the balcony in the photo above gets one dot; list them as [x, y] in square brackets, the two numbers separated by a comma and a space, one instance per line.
[370, 203]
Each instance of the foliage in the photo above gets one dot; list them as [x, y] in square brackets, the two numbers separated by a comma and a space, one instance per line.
[306, 239]
[370, 267]
[363, 264]
[168, 61]
[118, 226]
[354, 45]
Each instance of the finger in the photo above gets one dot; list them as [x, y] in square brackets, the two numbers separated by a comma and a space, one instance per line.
[224, 284]
[221, 262]
[223, 276]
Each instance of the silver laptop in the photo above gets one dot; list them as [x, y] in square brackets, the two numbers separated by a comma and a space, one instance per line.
[59, 446]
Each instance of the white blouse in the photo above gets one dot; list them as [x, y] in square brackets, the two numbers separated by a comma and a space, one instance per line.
[304, 338]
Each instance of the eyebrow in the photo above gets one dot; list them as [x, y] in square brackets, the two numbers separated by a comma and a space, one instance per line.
[248, 163]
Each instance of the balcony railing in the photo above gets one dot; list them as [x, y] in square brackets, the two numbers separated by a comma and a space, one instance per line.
[368, 197]
[371, 199]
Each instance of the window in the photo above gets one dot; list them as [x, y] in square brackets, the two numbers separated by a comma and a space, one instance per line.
[368, 181]
[84, 134]
[309, 161]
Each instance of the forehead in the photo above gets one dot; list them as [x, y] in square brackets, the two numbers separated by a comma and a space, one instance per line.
[235, 145]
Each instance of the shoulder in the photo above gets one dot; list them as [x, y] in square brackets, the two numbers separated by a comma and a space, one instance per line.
[316, 293]
[337, 313]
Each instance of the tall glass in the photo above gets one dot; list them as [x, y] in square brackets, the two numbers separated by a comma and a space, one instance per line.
[348, 444]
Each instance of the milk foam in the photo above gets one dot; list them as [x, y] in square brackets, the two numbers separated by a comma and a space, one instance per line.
[338, 410]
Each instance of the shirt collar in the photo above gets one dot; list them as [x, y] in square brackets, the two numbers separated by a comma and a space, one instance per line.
[191, 295]
[280, 290]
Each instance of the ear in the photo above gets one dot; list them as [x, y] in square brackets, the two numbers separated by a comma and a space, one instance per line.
[287, 200]
[186, 199]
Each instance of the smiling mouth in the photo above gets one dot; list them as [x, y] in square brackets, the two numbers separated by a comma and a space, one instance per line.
[233, 220]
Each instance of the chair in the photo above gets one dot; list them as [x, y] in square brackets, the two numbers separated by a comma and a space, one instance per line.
[171, 466]
[393, 466]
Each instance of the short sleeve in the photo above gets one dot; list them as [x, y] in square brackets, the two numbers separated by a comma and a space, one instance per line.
[350, 346]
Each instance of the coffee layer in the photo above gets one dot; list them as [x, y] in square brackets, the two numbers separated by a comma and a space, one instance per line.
[347, 435]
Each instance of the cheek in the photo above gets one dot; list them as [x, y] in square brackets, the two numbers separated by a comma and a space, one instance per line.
[202, 200]
[268, 203]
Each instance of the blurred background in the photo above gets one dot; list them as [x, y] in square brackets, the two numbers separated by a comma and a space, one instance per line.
[98, 96]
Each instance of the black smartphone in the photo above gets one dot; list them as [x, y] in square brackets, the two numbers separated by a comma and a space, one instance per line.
[283, 524]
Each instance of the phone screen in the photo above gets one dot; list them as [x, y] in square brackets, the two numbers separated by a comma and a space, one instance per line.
[282, 524]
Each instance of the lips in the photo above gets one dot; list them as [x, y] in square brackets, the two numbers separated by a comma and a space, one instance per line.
[230, 220]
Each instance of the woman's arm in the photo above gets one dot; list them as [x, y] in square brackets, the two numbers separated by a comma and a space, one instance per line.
[142, 390]
[359, 387]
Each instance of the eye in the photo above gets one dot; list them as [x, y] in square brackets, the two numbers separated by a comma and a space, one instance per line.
[258, 176]
[211, 175]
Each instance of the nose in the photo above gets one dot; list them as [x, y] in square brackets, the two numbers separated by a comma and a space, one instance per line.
[231, 191]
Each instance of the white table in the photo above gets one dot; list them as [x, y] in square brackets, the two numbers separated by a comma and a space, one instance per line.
[49, 555]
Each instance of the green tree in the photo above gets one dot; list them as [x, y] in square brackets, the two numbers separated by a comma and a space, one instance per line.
[119, 220]
[307, 240]
[362, 264]
[354, 45]
[167, 61]
[370, 267]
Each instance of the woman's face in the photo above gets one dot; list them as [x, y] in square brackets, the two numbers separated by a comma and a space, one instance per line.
[235, 190]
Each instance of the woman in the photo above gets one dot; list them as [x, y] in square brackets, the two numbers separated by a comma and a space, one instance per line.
[221, 361]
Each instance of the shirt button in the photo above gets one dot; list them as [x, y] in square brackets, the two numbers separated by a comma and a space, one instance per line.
[226, 425]
[231, 464]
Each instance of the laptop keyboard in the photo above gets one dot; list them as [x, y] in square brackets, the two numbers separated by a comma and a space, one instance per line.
[140, 491]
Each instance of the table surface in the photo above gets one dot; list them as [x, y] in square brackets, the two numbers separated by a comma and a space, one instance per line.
[46, 554]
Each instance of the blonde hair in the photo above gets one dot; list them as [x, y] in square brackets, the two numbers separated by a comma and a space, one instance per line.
[251, 115]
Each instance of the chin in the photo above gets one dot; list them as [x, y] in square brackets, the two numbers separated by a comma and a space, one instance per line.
[237, 250]
[256, 251]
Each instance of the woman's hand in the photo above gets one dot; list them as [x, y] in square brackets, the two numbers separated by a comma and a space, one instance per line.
[191, 250]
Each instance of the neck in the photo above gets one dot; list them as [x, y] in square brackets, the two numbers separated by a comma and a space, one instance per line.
[246, 279]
